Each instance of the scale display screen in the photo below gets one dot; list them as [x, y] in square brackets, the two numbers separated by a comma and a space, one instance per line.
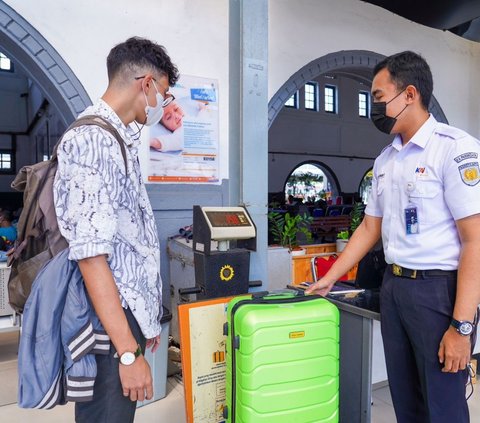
[227, 219]
[228, 223]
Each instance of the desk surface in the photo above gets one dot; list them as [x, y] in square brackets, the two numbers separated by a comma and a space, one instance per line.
[365, 304]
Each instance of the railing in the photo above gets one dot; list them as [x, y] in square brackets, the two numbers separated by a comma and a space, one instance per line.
[329, 226]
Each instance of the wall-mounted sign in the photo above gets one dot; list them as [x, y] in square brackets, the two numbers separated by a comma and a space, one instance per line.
[184, 144]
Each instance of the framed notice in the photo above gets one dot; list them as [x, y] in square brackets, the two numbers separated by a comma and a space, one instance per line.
[203, 358]
[184, 144]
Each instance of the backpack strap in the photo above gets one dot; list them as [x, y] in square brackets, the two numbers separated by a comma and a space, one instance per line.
[102, 123]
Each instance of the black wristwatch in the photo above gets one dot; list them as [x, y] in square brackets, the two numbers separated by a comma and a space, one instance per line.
[464, 328]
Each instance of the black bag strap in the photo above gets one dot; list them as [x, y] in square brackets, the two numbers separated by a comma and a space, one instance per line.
[102, 123]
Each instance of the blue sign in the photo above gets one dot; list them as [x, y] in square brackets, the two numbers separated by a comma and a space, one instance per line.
[203, 94]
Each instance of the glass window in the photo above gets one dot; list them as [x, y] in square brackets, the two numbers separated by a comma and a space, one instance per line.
[5, 63]
[363, 106]
[330, 94]
[311, 96]
[292, 101]
[5, 162]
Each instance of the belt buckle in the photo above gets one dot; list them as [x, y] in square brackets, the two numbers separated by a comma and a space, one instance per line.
[396, 269]
[413, 275]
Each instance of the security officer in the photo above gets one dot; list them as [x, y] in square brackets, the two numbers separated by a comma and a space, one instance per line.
[425, 203]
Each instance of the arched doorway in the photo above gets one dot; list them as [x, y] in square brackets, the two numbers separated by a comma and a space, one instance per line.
[311, 181]
[37, 58]
[352, 63]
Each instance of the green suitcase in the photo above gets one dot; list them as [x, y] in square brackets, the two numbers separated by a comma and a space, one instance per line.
[282, 359]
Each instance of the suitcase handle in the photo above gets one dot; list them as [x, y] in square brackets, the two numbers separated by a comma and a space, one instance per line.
[277, 293]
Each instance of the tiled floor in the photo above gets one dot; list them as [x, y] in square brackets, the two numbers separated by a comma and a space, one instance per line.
[171, 409]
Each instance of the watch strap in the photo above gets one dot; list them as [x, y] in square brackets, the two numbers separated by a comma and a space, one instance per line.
[458, 324]
[136, 353]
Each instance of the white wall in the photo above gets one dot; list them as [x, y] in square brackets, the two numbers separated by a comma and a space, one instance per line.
[195, 34]
[303, 30]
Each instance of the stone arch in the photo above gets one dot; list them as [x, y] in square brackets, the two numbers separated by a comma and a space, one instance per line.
[37, 58]
[353, 63]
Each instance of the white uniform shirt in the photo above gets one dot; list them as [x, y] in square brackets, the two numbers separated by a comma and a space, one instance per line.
[438, 172]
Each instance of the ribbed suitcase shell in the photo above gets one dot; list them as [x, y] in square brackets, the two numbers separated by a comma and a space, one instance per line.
[282, 360]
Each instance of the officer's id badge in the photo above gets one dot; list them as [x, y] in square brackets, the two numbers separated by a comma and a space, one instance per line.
[411, 220]
[470, 173]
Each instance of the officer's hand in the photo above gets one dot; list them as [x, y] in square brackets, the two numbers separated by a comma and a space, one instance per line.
[321, 287]
[136, 380]
[454, 351]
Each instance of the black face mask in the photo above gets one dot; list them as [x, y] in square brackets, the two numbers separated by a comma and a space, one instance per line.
[378, 115]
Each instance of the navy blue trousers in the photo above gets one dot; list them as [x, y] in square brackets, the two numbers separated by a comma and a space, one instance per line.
[415, 313]
[108, 404]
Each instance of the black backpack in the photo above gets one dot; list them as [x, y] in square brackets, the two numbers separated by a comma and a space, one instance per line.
[38, 236]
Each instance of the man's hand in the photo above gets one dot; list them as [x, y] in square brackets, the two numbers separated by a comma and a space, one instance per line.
[154, 343]
[320, 287]
[136, 380]
[454, 351]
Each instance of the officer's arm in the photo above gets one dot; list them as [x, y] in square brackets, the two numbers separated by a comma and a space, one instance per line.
[468, 284]
[362, 240]
[454, 349]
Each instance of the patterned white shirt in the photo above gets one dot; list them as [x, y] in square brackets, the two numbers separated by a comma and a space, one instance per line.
[102, 210]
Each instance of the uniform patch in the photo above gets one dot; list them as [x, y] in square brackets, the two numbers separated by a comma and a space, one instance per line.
[421, 171]
[465, 156]
[470, 173]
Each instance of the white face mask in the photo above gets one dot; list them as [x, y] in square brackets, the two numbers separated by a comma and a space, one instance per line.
[154, 114]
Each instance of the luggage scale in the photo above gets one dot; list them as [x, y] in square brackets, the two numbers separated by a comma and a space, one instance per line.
[222, 240]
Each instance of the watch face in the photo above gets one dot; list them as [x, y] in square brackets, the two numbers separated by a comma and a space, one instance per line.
[466, 328]
[127, 358]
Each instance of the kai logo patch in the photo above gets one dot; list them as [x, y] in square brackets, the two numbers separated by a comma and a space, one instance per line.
[421, 171]
[470, 173]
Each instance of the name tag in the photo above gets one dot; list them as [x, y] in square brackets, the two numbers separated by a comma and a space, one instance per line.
[411, 220]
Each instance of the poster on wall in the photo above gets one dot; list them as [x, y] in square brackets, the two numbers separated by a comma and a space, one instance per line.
[184, 144]
[203, 359]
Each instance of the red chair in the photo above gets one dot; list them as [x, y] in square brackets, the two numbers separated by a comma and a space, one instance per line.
[322, 263]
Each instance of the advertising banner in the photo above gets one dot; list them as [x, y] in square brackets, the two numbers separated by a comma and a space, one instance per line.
[184, 144]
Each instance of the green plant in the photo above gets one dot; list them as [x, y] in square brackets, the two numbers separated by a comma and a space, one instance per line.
[356, 217]
[285, 228]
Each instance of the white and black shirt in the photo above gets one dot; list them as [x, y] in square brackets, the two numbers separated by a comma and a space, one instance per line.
[101, 209]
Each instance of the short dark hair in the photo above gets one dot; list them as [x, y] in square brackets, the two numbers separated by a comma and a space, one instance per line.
[409, 68]
[140, 53]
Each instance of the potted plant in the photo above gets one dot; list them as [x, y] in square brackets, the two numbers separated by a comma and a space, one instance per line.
[356, 217]
[285, 229]
[342, 239]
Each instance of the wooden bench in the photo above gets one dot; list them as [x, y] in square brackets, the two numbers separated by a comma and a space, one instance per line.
[329, 226]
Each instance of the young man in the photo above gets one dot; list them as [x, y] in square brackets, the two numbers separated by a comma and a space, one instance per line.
[425, 203]
[104, 213]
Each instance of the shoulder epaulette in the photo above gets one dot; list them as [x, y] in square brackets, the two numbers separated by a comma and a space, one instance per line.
[450, 131]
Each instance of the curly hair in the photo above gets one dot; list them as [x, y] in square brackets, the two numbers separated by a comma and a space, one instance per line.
[136, 54]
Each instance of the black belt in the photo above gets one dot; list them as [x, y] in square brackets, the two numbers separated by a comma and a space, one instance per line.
[403, 272]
